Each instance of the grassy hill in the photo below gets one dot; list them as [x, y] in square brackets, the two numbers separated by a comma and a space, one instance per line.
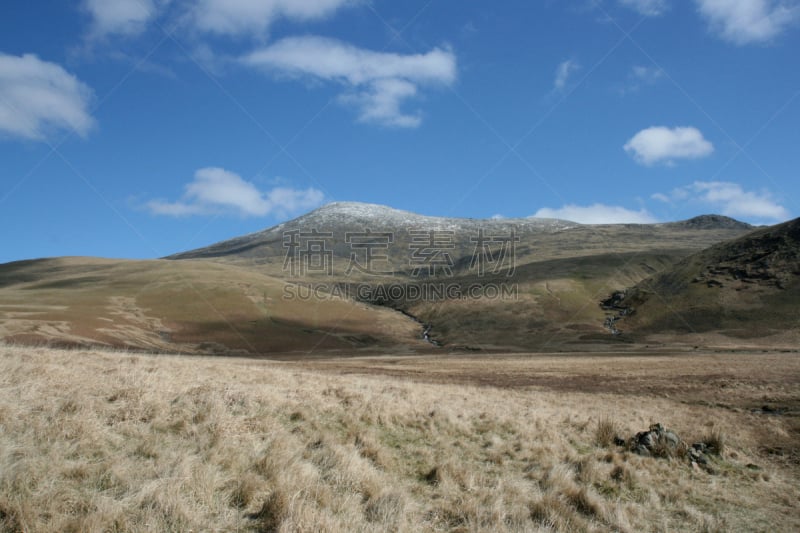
[748, 288]
[189, 307]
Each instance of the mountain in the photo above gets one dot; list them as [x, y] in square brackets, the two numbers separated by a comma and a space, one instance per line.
[710, 222]
[339, 220]
[747, 288]
[353, 278]
[560, 269]
[539, 239]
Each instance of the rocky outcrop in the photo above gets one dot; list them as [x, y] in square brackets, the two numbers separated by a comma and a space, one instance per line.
[616, 309]
[661, 442]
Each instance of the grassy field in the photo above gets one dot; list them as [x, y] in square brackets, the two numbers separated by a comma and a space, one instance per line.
[109, 441]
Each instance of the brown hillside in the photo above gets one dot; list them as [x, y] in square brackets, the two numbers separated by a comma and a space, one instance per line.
[745, 288]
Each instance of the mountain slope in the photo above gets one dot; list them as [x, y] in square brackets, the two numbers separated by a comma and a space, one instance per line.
[188, 307]
[745, 288]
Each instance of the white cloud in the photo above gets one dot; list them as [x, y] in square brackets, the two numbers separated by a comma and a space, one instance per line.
[661, 197]
[648, 8]
[38, 98]
[223, 17]
[330, 59]
[597, 214]
[640, 76]
[729, 199]
[661, 144]
[563, 73]
[647, 75]
[216, 190]
[231, 17]
[749, 21]
[376, 82]
[380, 103]
[126, 17]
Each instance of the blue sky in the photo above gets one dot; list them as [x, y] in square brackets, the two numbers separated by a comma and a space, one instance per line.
[139, 128]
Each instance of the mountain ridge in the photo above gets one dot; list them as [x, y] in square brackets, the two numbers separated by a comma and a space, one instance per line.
[357, 216]
[710, 221]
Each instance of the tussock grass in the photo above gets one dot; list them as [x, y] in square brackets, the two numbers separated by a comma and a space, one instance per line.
[714, 441]
[606, 432]
[93, 441]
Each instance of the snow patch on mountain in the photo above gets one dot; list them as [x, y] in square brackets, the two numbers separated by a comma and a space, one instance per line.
[338, 213]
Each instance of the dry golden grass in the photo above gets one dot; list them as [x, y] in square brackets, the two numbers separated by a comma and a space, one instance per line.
[606, 432]
[93, 441]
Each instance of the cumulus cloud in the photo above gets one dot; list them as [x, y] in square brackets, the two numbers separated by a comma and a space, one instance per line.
[597, 214]
[38, 98]
[661, 144]
[377, 83]
[648, 8]
[125, 17]
[749, 21]
[563, 73]
[380, 103]
[330, 59]
[232, 17]
[729, 199]
[219, 191]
